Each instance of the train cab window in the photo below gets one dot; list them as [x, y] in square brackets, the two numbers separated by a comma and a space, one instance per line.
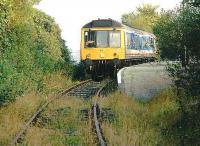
[102, 39]
[114, 37]
[90, 39]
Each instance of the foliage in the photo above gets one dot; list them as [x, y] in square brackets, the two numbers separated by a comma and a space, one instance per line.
[30, 47]
[79, 72]
[178, 30]
[195, 3]
[166, 36]
[14, 115]
[143, 18]
[131, 123]
[178, 34]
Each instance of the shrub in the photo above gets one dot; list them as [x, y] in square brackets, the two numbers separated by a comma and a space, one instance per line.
[30, 48]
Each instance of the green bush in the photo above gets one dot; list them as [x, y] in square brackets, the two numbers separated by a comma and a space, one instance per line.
[178, 34]
[30, 48]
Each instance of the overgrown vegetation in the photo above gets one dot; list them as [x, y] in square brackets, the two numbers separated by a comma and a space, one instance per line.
[32, 51]
[30, 48]
[13, 116]
[62, 123]
[144, 124]
[178, 34]
[143, 18]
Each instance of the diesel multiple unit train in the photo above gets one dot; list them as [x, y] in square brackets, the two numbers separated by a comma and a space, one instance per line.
[107, 45]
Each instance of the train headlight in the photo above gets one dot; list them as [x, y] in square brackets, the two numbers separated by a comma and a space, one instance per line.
[88, 56]
[115, 54]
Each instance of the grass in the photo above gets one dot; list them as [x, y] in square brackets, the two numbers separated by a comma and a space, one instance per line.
[65, 121]
[13, 116]
[137, 123]
[64, 125]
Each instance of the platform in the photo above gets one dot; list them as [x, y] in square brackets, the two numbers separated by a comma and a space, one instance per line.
[144, 81]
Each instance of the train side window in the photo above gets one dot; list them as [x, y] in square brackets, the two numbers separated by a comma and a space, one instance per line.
[115, 39]
[137, 42]
[90, 39]
[152, 43]
[140, 43]
[148, 43]
[144, 43]
[130, 40]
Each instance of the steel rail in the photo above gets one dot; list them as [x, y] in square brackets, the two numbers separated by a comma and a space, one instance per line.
[34, 116]
[96, 122]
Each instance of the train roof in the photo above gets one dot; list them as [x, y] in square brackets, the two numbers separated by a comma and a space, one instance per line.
[103, 23]
[114, 24]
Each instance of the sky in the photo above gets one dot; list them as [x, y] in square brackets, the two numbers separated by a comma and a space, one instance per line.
[71, 15]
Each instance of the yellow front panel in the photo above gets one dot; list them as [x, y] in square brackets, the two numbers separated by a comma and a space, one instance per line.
[102, 53]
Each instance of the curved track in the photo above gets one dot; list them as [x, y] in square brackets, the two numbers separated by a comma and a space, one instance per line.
[93, 89]
[85, 89]
[98, 130]
[36, 114]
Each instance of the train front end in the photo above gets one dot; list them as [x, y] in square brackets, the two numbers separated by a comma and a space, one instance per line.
[102, 46]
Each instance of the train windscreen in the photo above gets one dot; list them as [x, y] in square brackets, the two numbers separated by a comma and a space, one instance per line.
[115, 38]
[102, 39]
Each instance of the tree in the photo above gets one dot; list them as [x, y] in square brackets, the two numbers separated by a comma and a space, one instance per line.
[166, 32]
[178, 34]
[195, 3]
[30, 48]
[143, 18]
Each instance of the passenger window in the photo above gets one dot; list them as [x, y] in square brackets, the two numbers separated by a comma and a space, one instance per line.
[152, 43]
[148, 43]
[140, 43]
[137, 42]
[132, 41]
[130, 38]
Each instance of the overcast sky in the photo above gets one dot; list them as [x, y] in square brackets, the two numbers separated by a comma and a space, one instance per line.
[71, 15]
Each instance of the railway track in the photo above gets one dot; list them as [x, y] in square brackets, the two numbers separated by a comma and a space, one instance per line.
[97, 126]
[85, 89]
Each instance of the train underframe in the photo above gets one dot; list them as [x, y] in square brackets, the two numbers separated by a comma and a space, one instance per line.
[103, 68]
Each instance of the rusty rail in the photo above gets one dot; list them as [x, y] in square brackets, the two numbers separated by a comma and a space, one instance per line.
[98, 130]
[34, 116]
